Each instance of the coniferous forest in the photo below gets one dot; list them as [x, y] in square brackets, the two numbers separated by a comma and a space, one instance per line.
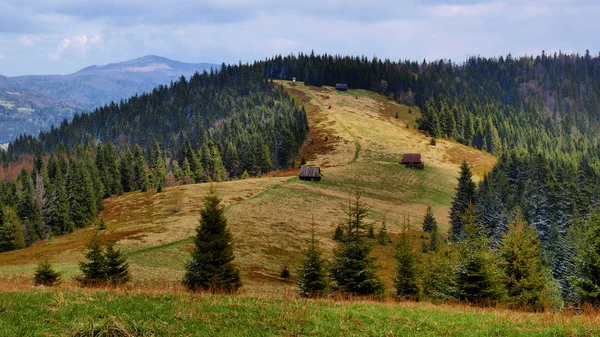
[539, 115]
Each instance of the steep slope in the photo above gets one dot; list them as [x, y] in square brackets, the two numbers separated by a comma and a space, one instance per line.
[356, 139]
[29, 104]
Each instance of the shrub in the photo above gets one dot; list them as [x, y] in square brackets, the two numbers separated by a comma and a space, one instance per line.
[45, 275]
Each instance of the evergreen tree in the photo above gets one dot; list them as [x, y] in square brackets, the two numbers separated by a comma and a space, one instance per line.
[159, 168]
[383, 237]
[405, 277]
[285, 273]
[127, 170]
[479, 278]
[139, 170]
[439, 279]
[587, 282]
[210, 267]
[434, 243]
[93, 271]
[45, 275]
[312, 280]
[525, 276]
[429, 220]
[338, 235]
[117, 269]
[28, 210]
[11, 234]
[56, 207]
[81, 197]
[353, 269]
[465, 196]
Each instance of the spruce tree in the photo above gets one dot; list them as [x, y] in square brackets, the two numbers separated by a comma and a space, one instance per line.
[117, 269]
[525, 276]
[434, 243]
[285, 273]
[587, 282]
[11, 234]
[439, 279]
[158, 168]
[312, 281]
[406, 275]
[465, 196]
[45, 275]
[429, 220]
[83, 206]
[27, 208]
[127, 170]
[338, 235]
[211, 265]
[56, 207]
[383, 237]
[479, 278]
[353, 269]
[139, 170]
[93, 271]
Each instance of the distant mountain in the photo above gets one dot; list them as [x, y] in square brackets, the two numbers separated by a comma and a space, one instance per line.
[29, 104]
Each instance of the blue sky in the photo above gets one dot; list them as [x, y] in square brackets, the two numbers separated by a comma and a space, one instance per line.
[63, 36]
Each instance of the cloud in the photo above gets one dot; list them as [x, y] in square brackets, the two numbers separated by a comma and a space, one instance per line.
[79, 43]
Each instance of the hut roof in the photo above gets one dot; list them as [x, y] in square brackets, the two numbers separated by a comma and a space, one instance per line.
[341, 86]
[307, 171]
[411, 158]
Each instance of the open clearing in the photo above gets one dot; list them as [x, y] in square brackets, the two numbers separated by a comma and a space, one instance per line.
[354, 137]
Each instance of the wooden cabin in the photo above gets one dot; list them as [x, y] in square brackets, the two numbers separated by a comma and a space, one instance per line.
[412, 160]
[311, 173]
[341, 87]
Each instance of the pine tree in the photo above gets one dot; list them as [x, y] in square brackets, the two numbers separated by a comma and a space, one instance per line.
[525, 276]
[439, 279]
[139, 170]
[465, 196]
[312, 281]
[45, 275]
[338, 235]
[93, 272]
[434, 238]
[429, 220]
[127, 170]
[11, 234]
[83, 206]
[27, 208]
[117, 269]
[479, 278]
[158, 168]
[210, 267]
[285, 273]
[56, 207]
[405, 277]
[587, 282]
[383, 237]
[353, 269]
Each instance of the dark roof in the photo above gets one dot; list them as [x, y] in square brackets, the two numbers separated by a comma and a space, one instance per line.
[341, 86]
[310, 171]
[411, 158]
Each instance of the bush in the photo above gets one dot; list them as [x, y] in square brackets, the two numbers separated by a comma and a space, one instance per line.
[45, 275]
[285, 273]
[433, 142]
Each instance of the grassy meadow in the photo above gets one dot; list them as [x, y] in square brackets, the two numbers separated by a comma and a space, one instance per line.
[357, 140]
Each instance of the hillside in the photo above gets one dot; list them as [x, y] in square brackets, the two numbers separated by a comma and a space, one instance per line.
[354, 137]
[30, 104]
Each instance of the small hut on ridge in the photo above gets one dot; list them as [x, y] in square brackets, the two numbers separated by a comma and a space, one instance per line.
[311, 173]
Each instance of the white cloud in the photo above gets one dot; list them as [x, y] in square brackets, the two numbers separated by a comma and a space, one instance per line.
[29, 40]
[79, 43]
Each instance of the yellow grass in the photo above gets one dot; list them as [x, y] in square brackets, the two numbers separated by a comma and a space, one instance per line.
[357, 141]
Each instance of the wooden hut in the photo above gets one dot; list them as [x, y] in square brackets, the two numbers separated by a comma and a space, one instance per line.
[412, 160]
[312, 173]
[341, 87]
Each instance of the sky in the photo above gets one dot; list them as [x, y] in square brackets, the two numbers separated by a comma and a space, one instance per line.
[63, 36]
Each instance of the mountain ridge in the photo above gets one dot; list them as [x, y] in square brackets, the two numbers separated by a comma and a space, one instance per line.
[45, 100]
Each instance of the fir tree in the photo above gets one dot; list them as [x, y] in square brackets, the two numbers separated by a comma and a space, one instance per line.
[117, 269]
[465, 196]
[353, 269]
[479, 278]
[28, 210]
[429, 220]
[45, 275]
[11, 234]
[93, 271]
[525, 276]
[405, 277]
[383, 237]
[439, 279]
[587, 282]
[210, 267]
[158, 168]
[338, 235]
[83, 206]
[139, 170]
[56, 207]
[127, 170]
[312, 281]
[285, 273]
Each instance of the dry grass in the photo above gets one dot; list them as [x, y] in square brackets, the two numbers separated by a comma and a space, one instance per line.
[358, 142]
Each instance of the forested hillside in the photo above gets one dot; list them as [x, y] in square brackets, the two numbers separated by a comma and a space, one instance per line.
[215, 127]
[539, 115]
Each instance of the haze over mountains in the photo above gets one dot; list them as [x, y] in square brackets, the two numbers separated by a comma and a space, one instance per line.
[29, 104]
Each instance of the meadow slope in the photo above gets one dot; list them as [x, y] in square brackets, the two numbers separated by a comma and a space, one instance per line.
[357, 140]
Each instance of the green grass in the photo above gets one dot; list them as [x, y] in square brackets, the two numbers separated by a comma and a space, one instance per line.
[53, 313]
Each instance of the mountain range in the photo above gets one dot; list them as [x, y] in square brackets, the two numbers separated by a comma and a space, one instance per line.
[30, 104]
